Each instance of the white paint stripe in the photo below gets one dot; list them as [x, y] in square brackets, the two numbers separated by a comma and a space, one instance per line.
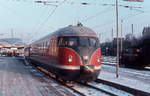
[73, 67]
[97, 67]
[66, 67]
[69, 67]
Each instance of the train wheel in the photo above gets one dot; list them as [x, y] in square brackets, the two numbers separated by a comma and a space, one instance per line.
[57, 77]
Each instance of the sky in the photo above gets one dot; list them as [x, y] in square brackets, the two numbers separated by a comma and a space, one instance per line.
[30, 21]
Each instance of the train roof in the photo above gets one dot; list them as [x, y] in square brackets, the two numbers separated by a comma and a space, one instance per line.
[75, 30]
[78, 30]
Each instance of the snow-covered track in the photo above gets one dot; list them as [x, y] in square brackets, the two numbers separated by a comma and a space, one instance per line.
[82, 89]
[135, 92]
[59, 81]
[98, 89]
[142, 72]
[75, 87]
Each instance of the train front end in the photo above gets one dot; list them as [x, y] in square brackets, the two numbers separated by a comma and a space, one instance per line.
[80, 57]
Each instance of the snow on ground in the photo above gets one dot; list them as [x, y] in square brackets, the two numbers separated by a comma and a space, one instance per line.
[109, 59]
[111, 89]
[16, 79]
[88, 91]
[133, 79]
[129, 70]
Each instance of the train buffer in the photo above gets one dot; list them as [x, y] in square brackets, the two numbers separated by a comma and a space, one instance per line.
[17, 79]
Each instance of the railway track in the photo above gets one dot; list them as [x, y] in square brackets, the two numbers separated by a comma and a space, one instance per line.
[93, 90]
[134, 92]
[83, 89]
[99, 89]
[114, 64]
[144, 71]
[90, 89]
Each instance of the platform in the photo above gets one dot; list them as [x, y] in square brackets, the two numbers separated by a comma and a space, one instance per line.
[17, 79]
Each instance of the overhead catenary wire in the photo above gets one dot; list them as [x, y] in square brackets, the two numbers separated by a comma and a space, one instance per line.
[126, 17]
[41, 25]
[97, 14]
[89, 18]
[37, 23]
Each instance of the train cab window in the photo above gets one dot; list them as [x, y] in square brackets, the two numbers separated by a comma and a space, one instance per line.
[94, 42]
[67, 41]
[88, 42]
[83, 41]
[72, 41]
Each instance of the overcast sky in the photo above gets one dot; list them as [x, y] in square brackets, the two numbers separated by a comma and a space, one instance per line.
[30, 21]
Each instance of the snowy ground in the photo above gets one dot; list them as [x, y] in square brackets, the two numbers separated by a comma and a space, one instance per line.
[128, 77]
[16, 79]
[108, 59]
[111, 89]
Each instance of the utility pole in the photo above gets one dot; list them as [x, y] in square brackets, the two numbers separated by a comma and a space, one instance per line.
[121, 36]
[117, 33]
[112, 33]
[132, 27]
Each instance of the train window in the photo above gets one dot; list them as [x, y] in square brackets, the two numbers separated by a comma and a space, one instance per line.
[94, 42]
[72, 41]
[47, 43]
[62, 42]
[67, 41]
[83, 41]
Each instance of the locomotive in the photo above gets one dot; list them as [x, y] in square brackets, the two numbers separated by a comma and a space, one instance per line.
[72, 53]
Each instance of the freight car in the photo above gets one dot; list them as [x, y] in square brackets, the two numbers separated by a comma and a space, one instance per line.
[71, 53]
[137, 55]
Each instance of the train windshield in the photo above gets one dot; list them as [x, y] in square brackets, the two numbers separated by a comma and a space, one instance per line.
[68, 41]
[75, 41]
[88, 42]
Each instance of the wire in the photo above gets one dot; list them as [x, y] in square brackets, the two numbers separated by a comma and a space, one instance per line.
[97, 14]
[133, 15]
[37, 24]
[44, 22]
[102, 25]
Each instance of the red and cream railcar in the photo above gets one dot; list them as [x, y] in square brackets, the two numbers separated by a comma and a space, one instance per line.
[71, 53]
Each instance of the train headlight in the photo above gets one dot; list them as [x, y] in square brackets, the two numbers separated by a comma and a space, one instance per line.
[85, 57]
[98, 60]
[70, 59]
[137, 50]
